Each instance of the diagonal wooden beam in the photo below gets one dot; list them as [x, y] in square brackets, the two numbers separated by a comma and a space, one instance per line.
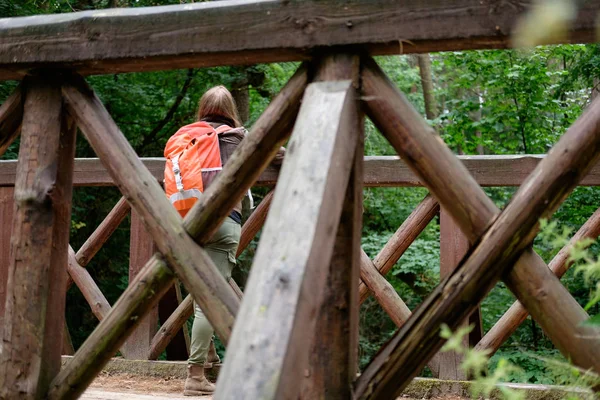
[248, 161]
[410, 229]
[35, 301]
[91, 292]
[11, 114]
[278, 315]
[517, 314]
[548, 185]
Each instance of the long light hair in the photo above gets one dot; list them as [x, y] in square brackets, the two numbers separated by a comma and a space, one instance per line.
[217, 103]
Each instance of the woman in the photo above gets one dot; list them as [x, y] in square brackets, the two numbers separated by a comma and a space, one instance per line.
[217, 108]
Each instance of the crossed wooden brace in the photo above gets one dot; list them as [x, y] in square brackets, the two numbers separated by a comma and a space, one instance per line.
[501, 242]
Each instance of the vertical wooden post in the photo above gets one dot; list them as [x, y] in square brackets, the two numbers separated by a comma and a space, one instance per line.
[141, 249]
[34, 319]
[333, 356]
[177, 348]
[453, 247]
[269, 345]
[6, 215]
[454, 244]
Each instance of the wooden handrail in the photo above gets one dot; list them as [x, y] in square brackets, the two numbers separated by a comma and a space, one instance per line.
[379, 171]
[181, 36]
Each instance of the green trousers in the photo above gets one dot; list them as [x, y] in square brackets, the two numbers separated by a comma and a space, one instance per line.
[221, 249]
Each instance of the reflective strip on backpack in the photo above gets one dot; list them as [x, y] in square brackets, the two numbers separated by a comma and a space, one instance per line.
[177, 173]
[212, 169]
[185, 194]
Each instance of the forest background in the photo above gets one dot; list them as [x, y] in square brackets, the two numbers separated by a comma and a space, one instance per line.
[481, 102]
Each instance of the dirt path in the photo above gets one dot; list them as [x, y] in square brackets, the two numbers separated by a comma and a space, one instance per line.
[108, 387]
[135, 387]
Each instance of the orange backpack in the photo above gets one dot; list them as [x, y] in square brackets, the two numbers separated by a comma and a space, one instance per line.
[194, 149]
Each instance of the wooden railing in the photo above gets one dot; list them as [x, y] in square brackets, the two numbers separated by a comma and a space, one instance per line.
[148, 343]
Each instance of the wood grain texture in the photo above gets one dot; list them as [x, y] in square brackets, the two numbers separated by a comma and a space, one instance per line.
[333, 353]
[7, 204]
[267, 135]
[414, 139]
[379, 171]
[453, 247]
[278, 315]
[138, 299]
[516, 314]
[11, 115]
[174, 37]
[141, 249]
[410, 229]
[91, 292]
[383, 291]
[37, 273]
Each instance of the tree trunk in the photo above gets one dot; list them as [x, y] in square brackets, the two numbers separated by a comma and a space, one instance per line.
[241, 95]
[431, 108]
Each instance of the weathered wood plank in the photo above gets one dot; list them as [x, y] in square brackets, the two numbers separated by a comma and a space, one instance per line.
[383, 291]
[169, 37]
[453, 247]
[7, 205]
[177, 349]
[410, 229]
[250, 158]
[282, 297]
[11, 115]
[333, 353]
[517, 314]
[411, 136]
[141, 249]
[30, 356]
[379, 171]
[103, 232]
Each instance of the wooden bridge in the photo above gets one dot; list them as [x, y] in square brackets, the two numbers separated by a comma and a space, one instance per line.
[309, 260]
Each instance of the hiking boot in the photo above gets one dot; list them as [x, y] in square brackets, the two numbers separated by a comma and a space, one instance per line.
[213, 357]
[196, 383]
